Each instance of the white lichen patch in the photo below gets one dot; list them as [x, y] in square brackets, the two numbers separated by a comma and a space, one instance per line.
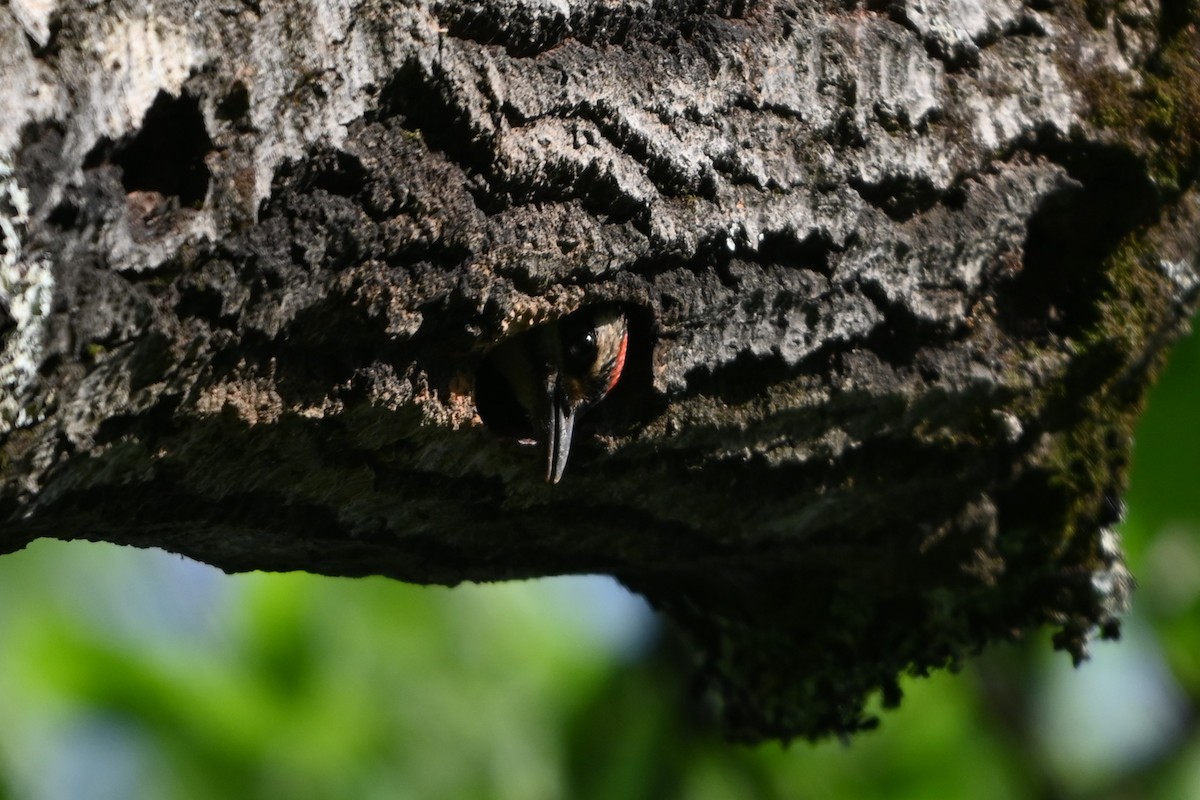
[139, 58]
[962, 23]
[1019, 90]
[34, 16]
[900, 84]
[26, 289]
[310, 66]
[1181, 274]
[28, 91]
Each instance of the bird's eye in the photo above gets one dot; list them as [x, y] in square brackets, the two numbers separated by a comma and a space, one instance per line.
[581, 351]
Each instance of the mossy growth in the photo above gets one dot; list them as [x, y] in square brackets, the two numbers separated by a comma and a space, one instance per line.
[1101, 398]
[1160, 113]
[1155, 116]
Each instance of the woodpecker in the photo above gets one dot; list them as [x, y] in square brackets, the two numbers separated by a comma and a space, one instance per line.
[536, 384]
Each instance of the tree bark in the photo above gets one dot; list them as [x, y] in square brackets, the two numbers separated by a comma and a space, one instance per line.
[897, 277]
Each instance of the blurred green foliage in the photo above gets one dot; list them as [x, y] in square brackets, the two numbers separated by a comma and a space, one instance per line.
[130, 674]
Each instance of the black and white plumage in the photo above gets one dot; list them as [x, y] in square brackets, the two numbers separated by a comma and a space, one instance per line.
[536, 384]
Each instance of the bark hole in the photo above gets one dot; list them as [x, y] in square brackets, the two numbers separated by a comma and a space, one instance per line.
[1069, 239]
[628, 401]
[167, 154]
[235, 105]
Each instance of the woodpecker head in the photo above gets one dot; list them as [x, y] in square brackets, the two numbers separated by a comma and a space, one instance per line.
[540, 381]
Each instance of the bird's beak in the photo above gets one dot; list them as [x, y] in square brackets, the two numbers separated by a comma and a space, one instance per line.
[559, 426]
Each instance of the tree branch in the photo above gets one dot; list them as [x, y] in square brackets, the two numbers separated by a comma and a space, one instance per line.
[897, 276]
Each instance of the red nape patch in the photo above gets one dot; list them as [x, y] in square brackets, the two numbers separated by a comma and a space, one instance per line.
[618, 363]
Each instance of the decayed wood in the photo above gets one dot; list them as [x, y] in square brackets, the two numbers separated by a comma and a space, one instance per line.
[897, 276]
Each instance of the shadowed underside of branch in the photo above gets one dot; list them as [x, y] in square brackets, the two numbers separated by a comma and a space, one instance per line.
[897, 276]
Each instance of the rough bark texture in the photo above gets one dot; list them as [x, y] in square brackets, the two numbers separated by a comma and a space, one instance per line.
[898, 275]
